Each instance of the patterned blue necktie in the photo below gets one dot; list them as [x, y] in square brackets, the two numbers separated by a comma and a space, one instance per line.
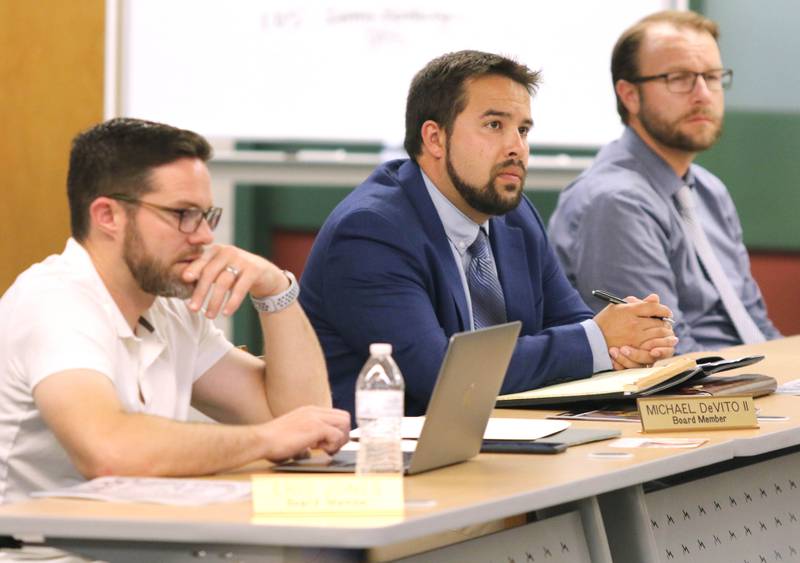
[488, 305]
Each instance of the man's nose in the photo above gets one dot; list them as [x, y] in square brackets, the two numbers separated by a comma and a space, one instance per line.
[203, 234]
[517, 144]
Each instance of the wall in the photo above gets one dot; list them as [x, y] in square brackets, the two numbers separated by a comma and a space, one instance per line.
[757, 155]
[51, 71]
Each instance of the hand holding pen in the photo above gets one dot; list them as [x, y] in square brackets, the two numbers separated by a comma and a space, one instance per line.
[614, 300]
[636, 333]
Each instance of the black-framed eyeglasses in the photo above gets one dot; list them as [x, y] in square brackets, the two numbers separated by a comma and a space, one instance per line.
[684, 81]
[189, 218]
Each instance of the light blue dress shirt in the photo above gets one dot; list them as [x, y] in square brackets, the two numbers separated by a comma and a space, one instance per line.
[462, 231]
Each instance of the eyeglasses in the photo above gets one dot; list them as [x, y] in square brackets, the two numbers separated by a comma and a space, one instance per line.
[684, 81]
[189, 218]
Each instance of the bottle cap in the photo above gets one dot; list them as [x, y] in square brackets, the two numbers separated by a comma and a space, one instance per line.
[380, 349]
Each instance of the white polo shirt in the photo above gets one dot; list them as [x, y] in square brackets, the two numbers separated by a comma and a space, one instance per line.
[58, 315]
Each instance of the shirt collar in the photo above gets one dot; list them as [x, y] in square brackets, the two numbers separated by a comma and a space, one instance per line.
[664, 179]
[690, 179]
[79, 260]
[461, 231]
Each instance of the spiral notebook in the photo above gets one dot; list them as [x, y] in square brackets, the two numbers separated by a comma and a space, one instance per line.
[625, 384]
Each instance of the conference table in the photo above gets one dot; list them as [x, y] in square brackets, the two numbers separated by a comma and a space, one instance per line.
[730, 499]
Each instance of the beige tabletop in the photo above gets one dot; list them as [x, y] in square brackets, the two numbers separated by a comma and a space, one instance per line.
[488, 487]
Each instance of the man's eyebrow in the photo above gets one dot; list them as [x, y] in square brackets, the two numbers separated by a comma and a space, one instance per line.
[495, 113]
[680, 68]
[498, 113]
[185, 204]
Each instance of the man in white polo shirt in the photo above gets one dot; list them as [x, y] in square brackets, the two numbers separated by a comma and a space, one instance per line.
[104, 347]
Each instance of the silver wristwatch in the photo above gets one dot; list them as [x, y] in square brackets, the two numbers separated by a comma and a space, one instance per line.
[275, 303]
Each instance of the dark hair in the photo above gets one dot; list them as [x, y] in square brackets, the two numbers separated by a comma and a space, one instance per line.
[625, 56]
[438, 91]
[117, 156]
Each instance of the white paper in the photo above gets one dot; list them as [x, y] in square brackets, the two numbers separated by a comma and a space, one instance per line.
[657, 442]
[496, 429]
[789, 388]
[183, 492]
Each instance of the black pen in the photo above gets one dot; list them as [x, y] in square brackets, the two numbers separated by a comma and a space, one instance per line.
[614, 300]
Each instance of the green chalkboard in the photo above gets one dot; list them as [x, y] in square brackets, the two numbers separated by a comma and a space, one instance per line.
[758, 158]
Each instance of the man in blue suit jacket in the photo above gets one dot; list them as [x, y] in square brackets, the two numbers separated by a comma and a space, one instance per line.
[390, 263]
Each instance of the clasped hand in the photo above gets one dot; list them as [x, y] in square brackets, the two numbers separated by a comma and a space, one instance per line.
[635, 334]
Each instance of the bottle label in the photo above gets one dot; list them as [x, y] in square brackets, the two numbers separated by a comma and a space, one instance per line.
[379, 403]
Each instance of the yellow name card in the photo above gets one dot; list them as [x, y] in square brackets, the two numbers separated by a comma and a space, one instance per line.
[355, 495]
[673, 414]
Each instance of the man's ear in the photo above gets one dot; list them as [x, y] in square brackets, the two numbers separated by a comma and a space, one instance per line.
[628, 93]
[433, 139]
[107, 216]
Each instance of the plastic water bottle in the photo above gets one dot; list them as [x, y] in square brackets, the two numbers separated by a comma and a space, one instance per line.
[379, 413]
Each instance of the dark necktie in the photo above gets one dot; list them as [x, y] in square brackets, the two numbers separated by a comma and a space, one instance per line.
[742, 321]
[488, 305]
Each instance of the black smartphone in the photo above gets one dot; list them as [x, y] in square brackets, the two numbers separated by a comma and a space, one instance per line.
[521, 447]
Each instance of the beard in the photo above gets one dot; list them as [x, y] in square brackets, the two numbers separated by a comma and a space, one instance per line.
[668, 133]
[488, 199]
[153, 276]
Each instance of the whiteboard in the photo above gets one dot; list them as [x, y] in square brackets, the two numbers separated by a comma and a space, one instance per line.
[309, 70]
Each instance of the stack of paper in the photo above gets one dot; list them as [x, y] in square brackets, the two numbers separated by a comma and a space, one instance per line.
[184, 492]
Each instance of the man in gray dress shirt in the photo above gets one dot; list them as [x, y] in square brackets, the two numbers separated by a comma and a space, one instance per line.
[623, 225]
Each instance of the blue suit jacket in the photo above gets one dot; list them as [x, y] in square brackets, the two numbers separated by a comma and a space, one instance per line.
[381, 270]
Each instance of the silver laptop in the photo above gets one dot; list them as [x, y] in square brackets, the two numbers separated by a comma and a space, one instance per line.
[461, 404]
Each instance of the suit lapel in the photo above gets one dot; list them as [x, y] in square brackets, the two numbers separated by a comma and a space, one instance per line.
[411, 181]
[511, 259]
